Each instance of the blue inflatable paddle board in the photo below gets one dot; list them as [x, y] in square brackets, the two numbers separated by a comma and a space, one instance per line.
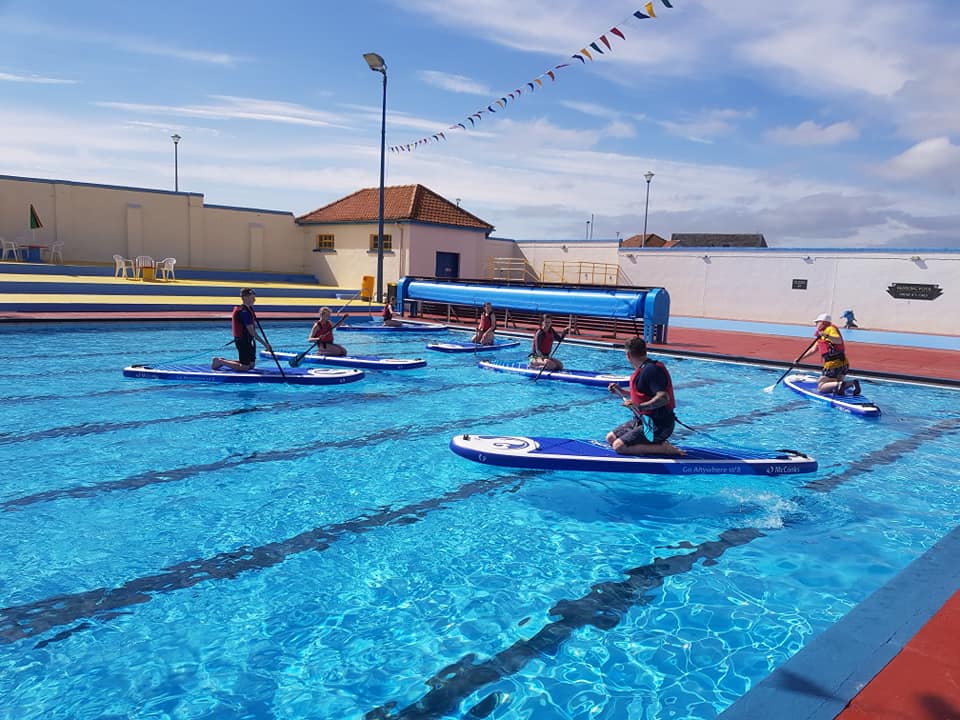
[266, 374]
[584, 377]
[470, 347]
[365, 362]
[806, 385]
[407, 326]
[550, 453]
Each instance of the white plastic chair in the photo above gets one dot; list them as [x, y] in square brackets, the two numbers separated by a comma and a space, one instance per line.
[165, 269]
[11, 248]
[140, 262]
[121, 265]
[55, 252]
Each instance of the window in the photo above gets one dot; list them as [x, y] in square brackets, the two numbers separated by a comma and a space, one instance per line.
[387, 243]
[325, 242]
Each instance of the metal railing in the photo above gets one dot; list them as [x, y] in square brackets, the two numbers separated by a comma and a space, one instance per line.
[583, 273]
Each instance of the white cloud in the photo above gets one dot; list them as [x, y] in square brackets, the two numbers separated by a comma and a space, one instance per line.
[38, 79]
[809, 133]
[592, 109]
[933, 157]
[128, 43]
[706, 125]
[241, 108]
[454, 83]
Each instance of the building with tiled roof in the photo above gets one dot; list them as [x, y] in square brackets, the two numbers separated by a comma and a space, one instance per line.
[402, 203]
[651, 240]
[424, 234]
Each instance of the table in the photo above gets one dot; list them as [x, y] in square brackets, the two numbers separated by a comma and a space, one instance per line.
[34, 253]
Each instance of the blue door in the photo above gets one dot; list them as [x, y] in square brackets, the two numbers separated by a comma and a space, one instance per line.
[448, 265]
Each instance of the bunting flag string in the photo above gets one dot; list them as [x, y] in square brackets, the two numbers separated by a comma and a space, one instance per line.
[599, 46]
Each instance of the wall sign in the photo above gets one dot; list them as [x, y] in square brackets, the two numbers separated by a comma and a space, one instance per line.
[914, 291]
[799, 284]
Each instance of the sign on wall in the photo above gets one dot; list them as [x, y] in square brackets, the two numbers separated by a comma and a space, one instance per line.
[799, 284]
[914, 291]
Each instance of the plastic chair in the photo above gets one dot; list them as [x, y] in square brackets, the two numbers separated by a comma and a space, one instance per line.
[165, 269]
[9, 246]
[55, 252]
[121, 265]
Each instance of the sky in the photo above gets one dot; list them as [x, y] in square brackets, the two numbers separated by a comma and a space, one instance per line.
[819, 124]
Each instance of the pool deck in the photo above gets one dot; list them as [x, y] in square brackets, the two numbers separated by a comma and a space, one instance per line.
[896, 656]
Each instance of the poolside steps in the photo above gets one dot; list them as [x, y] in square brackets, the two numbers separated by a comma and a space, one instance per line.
[42, 288]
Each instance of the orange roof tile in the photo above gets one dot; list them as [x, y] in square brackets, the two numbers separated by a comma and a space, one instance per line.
[401, 202]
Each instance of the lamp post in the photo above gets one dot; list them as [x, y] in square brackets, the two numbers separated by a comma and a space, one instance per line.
[176, 163]
[586, 232]
[377, 64]
[649, 176]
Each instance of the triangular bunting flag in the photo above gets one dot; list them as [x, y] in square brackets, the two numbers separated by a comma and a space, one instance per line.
[583, 55]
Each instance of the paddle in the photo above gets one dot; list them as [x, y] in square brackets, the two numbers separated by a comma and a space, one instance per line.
[264, 336]
[789, 369]
[559, 342]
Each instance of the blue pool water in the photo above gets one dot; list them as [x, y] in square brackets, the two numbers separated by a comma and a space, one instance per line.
[177, 550]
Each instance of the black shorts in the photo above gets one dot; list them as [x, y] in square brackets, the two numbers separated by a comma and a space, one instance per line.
[246, 350]
[633, 432]
[836, 372]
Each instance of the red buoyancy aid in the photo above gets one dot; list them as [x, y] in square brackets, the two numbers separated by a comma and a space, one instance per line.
[830, 349]
[387, 313]
[486, 322]
[637, 397]
[326, 331]
[543, 342]
[239, 329]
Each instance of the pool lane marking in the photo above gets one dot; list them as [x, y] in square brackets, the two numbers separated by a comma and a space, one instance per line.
[18, 622]
[159, 477]
[456, 686]
[30, 619]
[886, 455]
[603, 608]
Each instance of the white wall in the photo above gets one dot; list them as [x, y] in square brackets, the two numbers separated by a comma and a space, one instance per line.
[756, 284]
[591, 255]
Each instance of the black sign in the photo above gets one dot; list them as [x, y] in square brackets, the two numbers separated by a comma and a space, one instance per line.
[914, 291]
[799, 284]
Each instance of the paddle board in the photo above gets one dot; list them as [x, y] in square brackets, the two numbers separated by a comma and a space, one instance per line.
[266, 374]
[550, 453]
[469, 347]
[807, 385]
[584, 377]
[366, 362]
[406, 327]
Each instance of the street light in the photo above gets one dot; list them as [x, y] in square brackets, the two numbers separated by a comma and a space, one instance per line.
[586, 233]
[176, 163]
[649, 176]
[377, 64]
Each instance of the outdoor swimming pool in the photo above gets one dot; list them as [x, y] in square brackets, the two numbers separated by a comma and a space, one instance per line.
[178, 550]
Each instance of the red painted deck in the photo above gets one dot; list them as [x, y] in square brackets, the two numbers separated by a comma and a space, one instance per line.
[923, 681]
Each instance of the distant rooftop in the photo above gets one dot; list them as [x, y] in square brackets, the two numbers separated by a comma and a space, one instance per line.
[412, 203]
[716, 240]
